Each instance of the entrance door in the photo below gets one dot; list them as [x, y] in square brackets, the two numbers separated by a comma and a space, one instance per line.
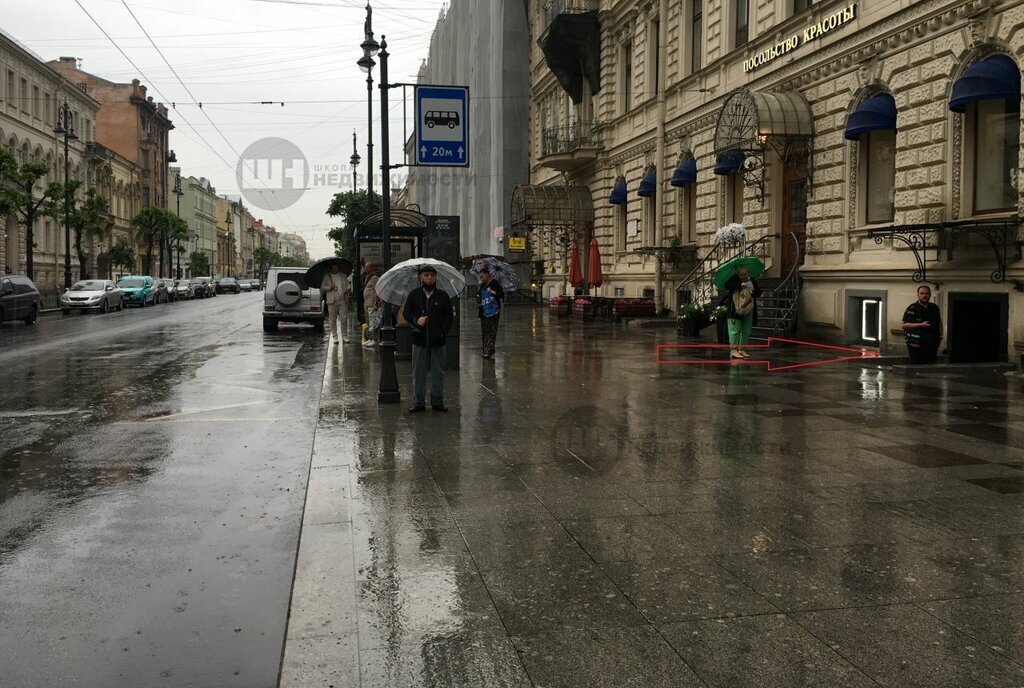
[794, 215]
[978, 328]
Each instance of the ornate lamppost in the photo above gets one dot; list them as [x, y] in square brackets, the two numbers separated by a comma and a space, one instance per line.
[65, 127]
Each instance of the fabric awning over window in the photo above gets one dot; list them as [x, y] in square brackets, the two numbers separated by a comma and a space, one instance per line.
[995, 78]
[729, 162]
[877, 113]
[619, 193]
[648, 185]
[685, 174]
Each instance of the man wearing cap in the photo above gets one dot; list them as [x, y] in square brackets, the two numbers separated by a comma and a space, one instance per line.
[428, 310]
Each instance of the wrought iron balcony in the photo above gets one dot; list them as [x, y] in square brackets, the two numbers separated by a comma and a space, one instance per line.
[558, 7]
[570, 146]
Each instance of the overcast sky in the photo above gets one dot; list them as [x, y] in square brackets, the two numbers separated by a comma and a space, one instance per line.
[232, 53]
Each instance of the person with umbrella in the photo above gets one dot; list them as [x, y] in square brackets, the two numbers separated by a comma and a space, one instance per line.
[490, 299]
[428, 310]
[737, 277]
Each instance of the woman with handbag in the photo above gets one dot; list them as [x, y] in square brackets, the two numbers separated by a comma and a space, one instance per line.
[742, 304]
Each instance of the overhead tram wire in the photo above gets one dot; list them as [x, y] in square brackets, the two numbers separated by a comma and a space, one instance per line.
[284, 211]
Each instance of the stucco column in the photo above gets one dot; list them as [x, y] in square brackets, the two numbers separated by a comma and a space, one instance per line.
[659, 156]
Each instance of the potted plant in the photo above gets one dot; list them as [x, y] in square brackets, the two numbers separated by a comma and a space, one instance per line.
[720, 316]
[690, 319]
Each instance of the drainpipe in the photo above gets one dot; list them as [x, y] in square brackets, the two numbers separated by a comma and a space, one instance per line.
[659, 155]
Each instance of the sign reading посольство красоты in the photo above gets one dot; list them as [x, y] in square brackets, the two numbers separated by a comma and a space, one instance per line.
[811, 33]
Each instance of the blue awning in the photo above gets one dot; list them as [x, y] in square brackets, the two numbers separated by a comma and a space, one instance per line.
[729, 162]
[995, 78]
[685, 174]
[648, 185]
[877, 113]
[619, 193]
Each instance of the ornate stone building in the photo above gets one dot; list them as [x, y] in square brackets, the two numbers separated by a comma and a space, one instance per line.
[866, 147]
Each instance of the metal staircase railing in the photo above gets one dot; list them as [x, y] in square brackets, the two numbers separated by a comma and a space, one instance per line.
[698, 285]
[784, 298]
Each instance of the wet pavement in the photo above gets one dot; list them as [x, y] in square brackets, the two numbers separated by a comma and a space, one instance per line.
[584, 516]
[153, 466]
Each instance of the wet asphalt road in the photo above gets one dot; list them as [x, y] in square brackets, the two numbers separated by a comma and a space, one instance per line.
[152, 474]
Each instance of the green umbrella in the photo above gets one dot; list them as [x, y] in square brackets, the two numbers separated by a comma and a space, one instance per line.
[732, 266]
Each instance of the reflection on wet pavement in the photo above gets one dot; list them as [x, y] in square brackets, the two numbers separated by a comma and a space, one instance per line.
[585, 517]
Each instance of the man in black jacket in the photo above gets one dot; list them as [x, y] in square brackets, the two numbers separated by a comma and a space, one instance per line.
[428, 310]
[490, 299]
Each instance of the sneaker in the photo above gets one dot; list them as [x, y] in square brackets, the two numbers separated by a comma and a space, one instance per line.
[417, 409]
[370, 344]
[335, 340]
[735, 353]
[346, 340]
[744, 354]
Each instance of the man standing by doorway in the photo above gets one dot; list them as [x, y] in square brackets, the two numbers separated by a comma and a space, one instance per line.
[429, 311]
[922, 322]
[490, 299]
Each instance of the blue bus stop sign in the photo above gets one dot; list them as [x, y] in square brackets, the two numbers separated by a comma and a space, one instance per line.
[442, 126]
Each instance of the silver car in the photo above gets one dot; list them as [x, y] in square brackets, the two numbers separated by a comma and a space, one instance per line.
[92, 295]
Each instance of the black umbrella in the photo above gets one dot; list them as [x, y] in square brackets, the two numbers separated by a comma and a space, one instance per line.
[318, 270]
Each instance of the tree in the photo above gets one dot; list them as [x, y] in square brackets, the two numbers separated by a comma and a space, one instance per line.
[153, 224]
[90, 218]
[352, 207]
[198, 264]
[177, 232]
[18, 195]
[122, 255]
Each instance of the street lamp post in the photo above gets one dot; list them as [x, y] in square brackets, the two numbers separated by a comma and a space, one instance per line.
[387, 390]
[179, 193]
[354, 161]
[366, 63]
[65, 126]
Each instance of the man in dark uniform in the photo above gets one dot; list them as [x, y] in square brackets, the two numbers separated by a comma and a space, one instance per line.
[490, 301]
[428, 310]
[923, 324]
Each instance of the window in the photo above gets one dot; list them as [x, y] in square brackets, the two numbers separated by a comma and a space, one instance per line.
[145, 196]
[37, 106]
[871, 321]
[653, 53]
[741, 10]
[48, 113]
[649, 219]
[24, 96]
[620, 291]
[801, 5]
[879, 149]
[996, 151]
[696, 35]
[734, 197]
[626, 62]
[620, 227]
[686, 215]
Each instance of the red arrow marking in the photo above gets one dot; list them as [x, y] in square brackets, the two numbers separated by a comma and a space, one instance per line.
[860, 354]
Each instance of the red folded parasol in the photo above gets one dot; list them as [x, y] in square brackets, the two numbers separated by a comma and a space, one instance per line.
[575, 271]
[594, 275]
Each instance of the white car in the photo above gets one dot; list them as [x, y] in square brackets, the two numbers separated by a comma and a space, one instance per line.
[92, 295]
[287, 298]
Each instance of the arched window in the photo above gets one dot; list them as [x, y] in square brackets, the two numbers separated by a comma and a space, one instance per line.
[872, 126]
[987, 94]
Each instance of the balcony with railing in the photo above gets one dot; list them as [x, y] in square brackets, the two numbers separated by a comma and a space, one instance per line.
[558, 7]
[570, 146]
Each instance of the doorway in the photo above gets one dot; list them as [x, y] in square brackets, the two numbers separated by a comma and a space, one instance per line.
[978, 327]
[794, 215]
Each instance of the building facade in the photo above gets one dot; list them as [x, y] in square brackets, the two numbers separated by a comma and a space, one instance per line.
[199, 208]
[866, 148]
[117, 179]
[130, 123]
[31, 92]
[479, 44]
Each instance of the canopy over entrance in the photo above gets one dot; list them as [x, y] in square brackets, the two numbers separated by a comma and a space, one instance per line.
[751, 121]
[548, 206]
[400, 217]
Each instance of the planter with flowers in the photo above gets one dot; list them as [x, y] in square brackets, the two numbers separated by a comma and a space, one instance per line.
[633, 308]
[720, 316]
[732, 234]
[560, 306]
[583, 307]
[691, 320]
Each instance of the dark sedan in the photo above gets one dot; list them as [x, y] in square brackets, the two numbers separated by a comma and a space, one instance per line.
[228, 285]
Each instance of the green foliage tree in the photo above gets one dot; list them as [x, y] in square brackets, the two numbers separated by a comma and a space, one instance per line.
[177, 232]
[154, 225]
[122, 255]
[198, 264]
[352, 207]
[18, 195]
[89, 217]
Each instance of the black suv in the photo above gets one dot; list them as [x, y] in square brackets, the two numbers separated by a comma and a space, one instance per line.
[19, 299]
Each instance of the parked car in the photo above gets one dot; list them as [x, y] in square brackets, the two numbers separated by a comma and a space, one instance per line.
[198, 288]
[172, 293]
[288, 298]
[19, 299]
[209, 285]
[138, 290]
[160, 290]
[92, 295]
[183, 290]
[248, 285]
[228, 285]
